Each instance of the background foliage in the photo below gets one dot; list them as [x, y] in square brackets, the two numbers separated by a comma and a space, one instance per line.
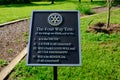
[14, 1]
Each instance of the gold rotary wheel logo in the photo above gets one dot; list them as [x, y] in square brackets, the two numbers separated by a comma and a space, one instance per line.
[55, 19]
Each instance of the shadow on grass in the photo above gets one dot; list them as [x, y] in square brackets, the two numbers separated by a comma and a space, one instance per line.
[23, 5]
[38, 3]
[116, 3]
[99, 3]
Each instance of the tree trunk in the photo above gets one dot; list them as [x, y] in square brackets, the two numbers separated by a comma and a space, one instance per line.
[52, 2]
[79, 0]
[26, 1]
[108, 16]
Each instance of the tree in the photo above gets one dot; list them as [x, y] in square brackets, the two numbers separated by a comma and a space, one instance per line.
[109, 6]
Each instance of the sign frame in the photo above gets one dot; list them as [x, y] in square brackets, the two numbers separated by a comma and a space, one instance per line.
[79, 38]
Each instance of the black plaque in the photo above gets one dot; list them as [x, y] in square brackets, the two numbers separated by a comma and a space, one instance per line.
[54, 39]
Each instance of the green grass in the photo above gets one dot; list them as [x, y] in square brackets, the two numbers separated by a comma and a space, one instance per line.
[26, 34]
[10, 50]
[3, 63]
[100, 52]
[17, 11]
[100, 57]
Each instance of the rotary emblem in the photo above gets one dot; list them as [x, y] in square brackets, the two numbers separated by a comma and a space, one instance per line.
[55, 19]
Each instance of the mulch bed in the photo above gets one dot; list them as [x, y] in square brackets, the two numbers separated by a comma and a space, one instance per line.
[12, 40]
[102, 27]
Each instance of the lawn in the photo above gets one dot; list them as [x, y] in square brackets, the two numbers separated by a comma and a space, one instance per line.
[17, 11]
[100, 57]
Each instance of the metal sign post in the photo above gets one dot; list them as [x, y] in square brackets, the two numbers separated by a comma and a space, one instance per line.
[55, 72]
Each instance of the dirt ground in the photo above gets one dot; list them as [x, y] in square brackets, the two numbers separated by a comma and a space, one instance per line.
[12, 38]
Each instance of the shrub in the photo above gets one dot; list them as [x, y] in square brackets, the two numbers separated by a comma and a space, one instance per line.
[85, 9]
